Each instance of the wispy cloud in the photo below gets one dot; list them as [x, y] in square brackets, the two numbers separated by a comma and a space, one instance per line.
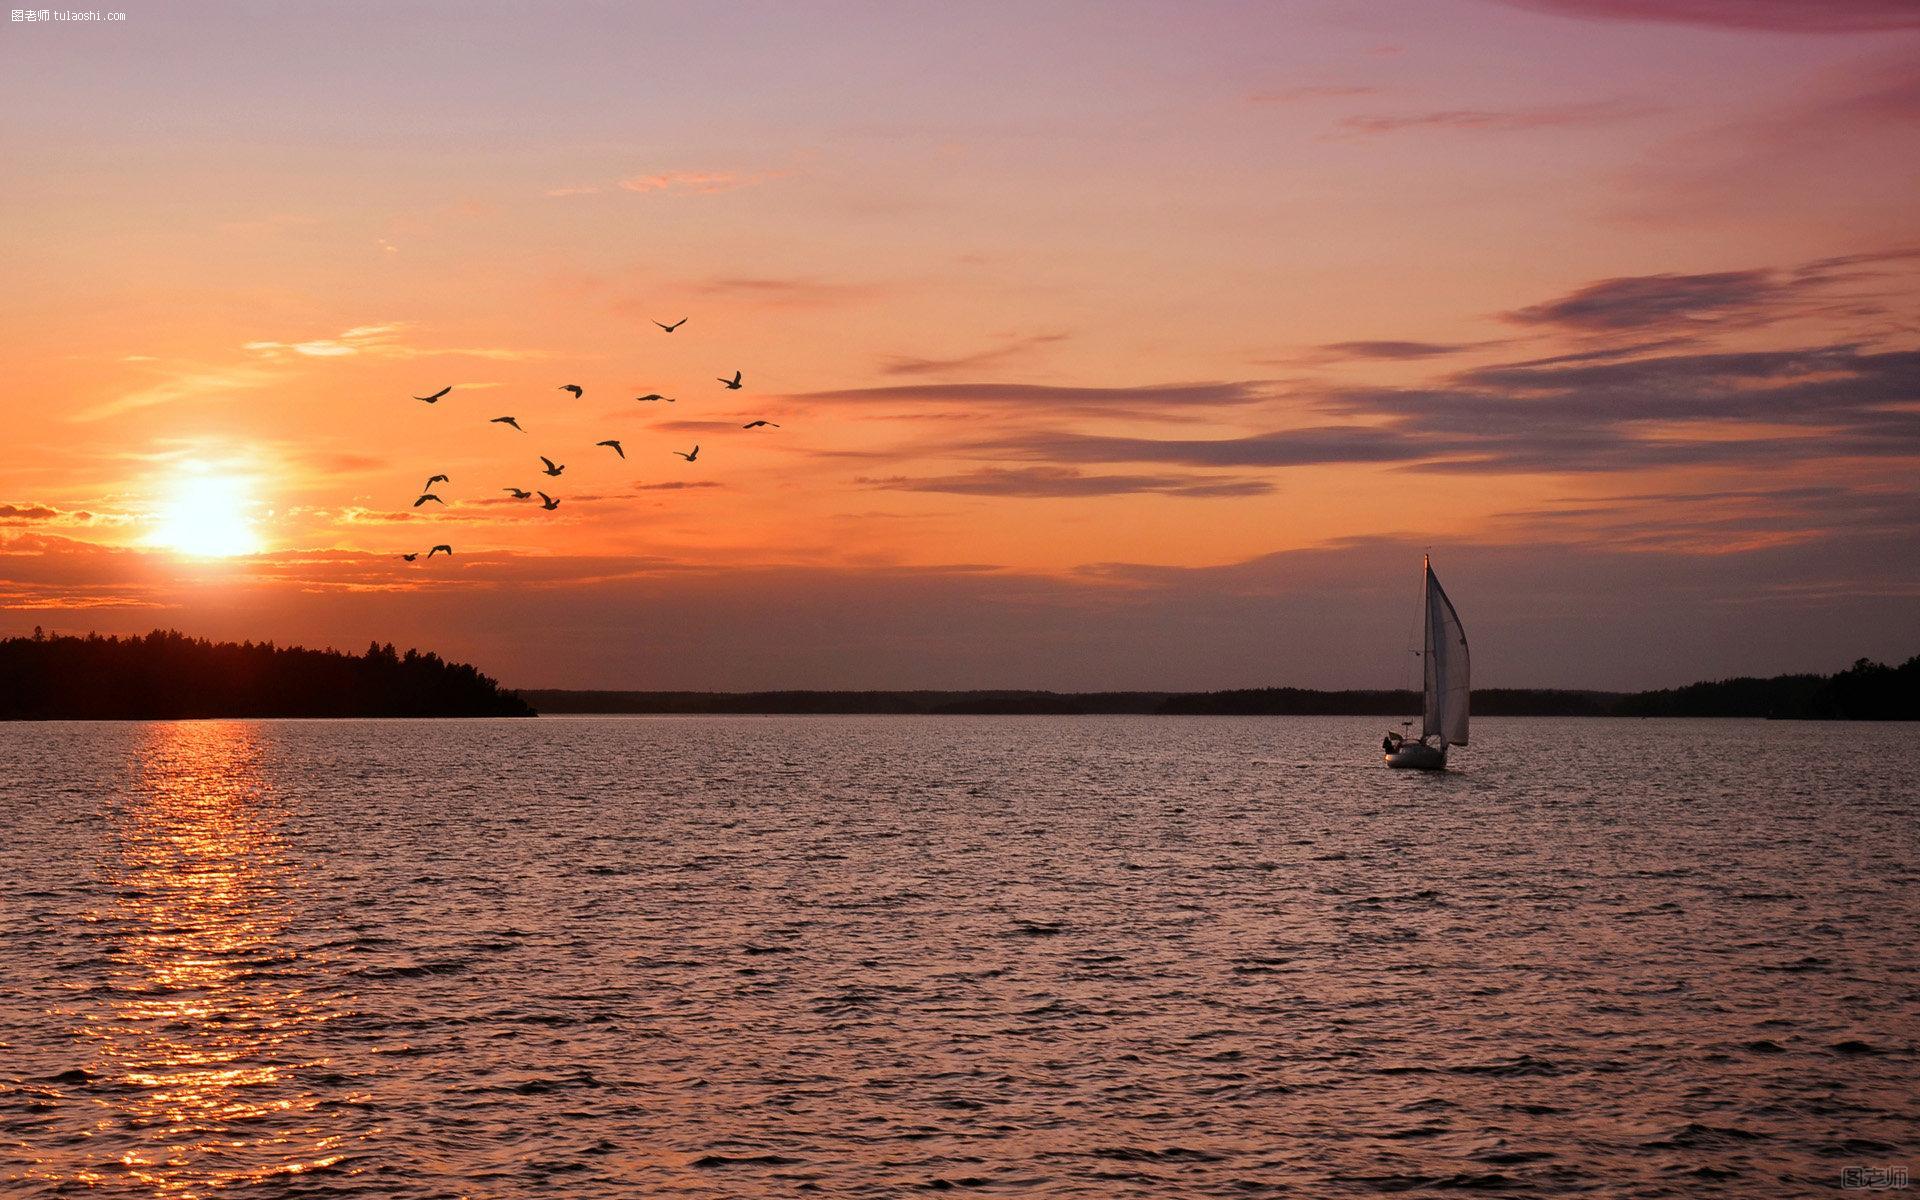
[784, 292]
[1150, 399]
[383, 341]
[1311, 446]
[361, 339]
[1772, 16]
[671, 182]
[1398, 351]
[1640, 301]
[1014, 348]
[188, 382]
[1323, 91]
[1498, 120]
[1749, 409]
[1852, 130]
[1685, 303]
[703, 183]
[1718, 522]
[1068, 483]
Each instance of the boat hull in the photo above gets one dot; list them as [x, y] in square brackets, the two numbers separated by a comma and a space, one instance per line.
[1415, 757]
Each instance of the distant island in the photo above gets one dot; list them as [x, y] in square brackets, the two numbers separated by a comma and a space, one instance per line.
[167, 675]
[1866, 691]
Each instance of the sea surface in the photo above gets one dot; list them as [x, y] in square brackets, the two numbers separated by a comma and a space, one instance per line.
[1016, 956]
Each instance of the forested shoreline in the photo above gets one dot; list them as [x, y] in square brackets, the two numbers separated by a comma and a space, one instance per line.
[167, 675]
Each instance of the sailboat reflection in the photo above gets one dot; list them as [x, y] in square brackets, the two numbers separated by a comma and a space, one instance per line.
[206, 1037]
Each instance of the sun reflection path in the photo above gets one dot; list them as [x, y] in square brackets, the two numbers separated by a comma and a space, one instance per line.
[201, 1054]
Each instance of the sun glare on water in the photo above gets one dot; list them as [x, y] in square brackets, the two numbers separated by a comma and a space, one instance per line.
[207, 517]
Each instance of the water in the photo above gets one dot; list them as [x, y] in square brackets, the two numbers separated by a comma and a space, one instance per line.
[1020, 956]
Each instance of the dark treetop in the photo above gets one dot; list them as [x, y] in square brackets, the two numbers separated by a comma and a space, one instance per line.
[169, 675]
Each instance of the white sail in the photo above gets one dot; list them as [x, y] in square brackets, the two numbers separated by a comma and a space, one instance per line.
[1446, 660]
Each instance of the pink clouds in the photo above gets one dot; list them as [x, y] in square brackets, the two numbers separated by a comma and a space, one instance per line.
[1774, 16]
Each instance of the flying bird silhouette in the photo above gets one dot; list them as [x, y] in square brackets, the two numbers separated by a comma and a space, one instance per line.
[435, 398]
[615, 445]
[551, 468]
[519, 493]
[733, 385]
[758, 424]
[674, 326]
[548, 502]
[427, 497]
[436, 479]
[411, 557]
[571, 387]
[438, 549]
[506, 421]
[652, 396]
[689, 457]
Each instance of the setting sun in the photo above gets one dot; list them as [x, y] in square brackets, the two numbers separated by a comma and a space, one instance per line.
[206, 517]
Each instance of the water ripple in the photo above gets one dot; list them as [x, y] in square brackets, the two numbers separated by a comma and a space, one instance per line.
[1096, 957]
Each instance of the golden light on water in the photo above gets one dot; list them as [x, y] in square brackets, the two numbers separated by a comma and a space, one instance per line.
[205, 1037]
[209, 515]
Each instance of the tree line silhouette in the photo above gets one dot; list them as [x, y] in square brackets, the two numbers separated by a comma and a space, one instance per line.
[167, 675]
[1867, 691]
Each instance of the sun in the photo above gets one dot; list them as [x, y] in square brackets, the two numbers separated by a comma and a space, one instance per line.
[206, 517]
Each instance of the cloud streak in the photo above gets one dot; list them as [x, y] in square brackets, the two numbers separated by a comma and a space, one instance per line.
[1151, 399]
[1685, 303]
[1312, 91]
[1397, 351]
[1759, 408]
[1015, 348]
[381, 341]
[700, 183]
[1497, 120]
[1768, 16]
[1064, 483]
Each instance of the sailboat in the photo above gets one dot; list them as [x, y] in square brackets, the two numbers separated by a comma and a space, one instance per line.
[1443, 722]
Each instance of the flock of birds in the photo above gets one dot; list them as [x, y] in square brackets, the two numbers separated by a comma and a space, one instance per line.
[553, 469]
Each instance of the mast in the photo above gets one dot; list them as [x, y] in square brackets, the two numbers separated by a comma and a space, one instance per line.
[1430, 715]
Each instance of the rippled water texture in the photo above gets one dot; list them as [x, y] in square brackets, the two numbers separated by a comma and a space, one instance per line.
[1025, 956]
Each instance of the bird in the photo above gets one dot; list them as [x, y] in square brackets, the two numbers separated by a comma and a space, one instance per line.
[427, 497]
[674, 326]
[435, 398]
[758, 424]
[438, 549]
[551, 468]
[652, 396]
[506, 421]
[436, 479]
[411, 557]
[575, 388]
[616, 446]
[519, 493]
[689, 457]
[733, 385]
[548, 502]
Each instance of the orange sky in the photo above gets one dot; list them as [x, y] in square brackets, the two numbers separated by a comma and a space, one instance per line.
[1111, 345]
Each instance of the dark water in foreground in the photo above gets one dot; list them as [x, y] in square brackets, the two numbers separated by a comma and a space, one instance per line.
[1022, 956]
